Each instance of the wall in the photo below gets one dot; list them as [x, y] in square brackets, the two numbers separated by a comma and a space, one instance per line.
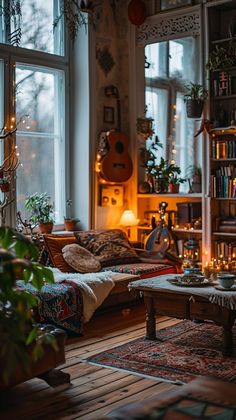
[112, 34]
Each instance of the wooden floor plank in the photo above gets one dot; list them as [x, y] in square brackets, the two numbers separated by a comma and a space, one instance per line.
[94, 390]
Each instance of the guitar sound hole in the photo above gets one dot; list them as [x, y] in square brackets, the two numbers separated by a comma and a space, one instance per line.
[119, 147]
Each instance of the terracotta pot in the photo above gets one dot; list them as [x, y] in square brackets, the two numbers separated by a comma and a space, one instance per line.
[70, 225]
[137, 12]
[174, 188]
[46, 227]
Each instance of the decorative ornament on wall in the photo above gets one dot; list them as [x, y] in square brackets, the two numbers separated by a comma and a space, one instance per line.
[105, 59]
[137, 12]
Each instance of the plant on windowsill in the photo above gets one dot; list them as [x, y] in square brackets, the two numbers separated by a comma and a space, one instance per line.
[41, 211]
[70, 223]
[22, 341]
[159, 175]
[175, 180]
[195, 97]
[194, 176]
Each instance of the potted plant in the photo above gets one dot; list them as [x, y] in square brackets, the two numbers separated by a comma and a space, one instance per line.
[195, 98]
[22, 340]
[194, 176]
[175, 180]
[70, 223]
[5, 184]
[41, 211]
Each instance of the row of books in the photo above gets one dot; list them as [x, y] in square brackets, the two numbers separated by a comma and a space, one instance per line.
[225, 249]
[226, 225]
[222, 186]
[223, 149]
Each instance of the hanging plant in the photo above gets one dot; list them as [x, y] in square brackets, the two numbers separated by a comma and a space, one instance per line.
[72, 11]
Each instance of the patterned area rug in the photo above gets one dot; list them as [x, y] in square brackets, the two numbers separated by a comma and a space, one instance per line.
[181, 353]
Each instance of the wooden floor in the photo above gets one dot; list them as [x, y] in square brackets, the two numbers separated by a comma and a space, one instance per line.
[94, 391]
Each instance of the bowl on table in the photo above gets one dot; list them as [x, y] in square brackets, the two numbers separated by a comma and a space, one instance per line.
[226, 280]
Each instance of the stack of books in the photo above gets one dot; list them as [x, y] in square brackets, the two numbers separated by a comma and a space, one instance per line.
[228, 225]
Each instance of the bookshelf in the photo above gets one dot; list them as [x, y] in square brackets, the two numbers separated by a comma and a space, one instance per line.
[222, 138]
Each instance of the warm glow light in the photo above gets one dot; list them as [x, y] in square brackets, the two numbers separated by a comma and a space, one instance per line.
[128, 218]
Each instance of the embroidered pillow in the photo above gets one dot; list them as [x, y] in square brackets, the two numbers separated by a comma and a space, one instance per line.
[80, 259]
[110, 246]
[54, 244]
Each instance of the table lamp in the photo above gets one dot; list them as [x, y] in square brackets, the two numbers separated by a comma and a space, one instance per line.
[128, 219]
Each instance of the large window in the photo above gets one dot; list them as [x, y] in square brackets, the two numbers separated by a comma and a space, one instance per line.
[33, 84]
[40, 139]
[170, 65]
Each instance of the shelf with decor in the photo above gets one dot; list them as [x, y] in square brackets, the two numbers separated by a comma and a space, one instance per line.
[221, 66]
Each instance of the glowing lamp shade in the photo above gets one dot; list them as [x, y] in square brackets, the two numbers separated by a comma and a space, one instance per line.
[128, 219]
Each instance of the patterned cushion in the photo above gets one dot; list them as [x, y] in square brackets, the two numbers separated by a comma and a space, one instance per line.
[144, 270]
[80, 259]
[54, 244]
[110, 246]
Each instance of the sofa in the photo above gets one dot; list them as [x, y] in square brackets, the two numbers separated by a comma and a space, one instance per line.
[62, 304]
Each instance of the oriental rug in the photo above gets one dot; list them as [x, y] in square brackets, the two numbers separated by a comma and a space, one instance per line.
[181, 353]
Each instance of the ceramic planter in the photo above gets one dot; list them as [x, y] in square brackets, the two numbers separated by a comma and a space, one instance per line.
[194, 108]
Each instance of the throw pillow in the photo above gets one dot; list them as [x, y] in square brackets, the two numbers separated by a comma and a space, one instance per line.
[80, 259]
[110, 246]
[54, 244]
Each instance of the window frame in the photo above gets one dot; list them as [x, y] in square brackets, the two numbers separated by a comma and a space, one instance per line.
[12, 55]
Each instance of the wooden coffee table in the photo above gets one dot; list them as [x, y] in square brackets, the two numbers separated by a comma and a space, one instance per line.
[183, 303]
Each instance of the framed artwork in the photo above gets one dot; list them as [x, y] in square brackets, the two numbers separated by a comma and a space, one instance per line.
[172, 4]
[109, 115]
[111, 195]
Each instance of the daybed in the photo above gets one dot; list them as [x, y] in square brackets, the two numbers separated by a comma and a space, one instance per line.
[63, 303]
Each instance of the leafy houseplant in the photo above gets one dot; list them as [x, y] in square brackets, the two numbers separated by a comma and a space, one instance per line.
[195, 98]
[159, 174]
[17, 329]
[41, 211]
[175, 180]
[221, 57]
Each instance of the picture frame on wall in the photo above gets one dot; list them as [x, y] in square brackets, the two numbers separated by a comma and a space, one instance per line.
[111, 195]
[108, 114]
[173, 4]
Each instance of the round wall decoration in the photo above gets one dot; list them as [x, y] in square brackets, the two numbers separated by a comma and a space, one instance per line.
[137, 12]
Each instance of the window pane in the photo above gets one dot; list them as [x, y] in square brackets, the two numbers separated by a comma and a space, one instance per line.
[35, 21]
[155, 57]
[165, 88]
[40, 95]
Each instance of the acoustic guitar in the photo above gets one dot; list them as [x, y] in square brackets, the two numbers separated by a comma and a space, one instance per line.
[116, 165]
